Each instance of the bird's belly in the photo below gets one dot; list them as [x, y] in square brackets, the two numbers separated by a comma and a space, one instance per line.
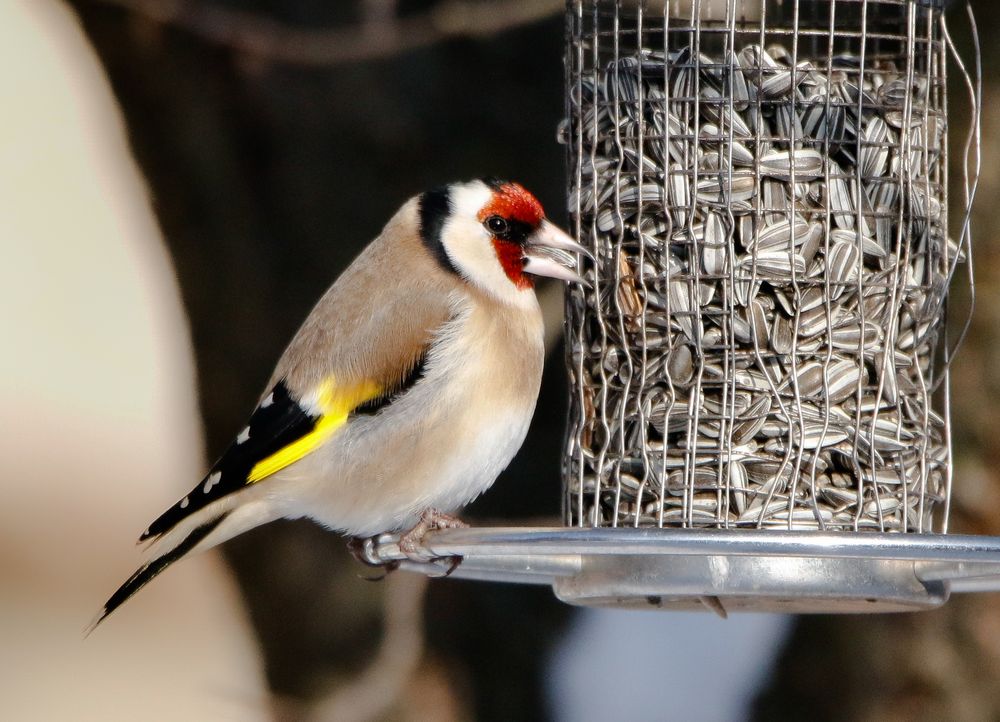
[381, 473]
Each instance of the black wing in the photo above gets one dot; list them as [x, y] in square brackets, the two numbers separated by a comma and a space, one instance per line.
[278, 421]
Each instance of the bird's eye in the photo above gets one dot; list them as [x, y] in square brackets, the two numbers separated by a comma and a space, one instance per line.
[497, 225]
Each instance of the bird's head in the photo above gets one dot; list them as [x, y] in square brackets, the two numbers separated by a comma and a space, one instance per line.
[494, 234]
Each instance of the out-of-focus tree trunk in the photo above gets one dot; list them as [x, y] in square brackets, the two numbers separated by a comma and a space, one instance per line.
[268, 178]
[942, 664]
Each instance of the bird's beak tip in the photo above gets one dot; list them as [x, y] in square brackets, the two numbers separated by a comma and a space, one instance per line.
[552, 258]
[538, 265]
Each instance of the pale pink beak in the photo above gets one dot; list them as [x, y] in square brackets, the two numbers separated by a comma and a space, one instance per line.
[550, 252]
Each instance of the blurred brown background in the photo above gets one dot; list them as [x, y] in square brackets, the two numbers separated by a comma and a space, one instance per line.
[276, 138]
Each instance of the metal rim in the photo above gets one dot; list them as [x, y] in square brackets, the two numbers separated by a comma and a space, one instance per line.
[741, 570]
[532, 541]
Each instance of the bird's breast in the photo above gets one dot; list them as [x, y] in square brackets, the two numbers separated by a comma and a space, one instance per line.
[495, 356]
[447, 439]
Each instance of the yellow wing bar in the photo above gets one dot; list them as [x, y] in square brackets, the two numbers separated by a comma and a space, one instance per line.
[335, 404]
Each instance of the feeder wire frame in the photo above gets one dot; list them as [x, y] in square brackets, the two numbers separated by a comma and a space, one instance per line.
[695, 142]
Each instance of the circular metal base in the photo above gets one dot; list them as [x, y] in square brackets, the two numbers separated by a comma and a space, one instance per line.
[718, 570]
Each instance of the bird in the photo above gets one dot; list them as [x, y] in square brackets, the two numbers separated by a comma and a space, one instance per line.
[406, 391]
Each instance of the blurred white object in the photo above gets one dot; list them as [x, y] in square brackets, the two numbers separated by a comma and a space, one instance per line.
[98, 412]
[648, 666]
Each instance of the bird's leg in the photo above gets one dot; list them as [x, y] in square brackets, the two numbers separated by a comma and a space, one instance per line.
[361, 548]
[430, 520]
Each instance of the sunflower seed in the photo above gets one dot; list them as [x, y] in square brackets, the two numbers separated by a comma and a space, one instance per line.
[739, 185]
[736, 475]
[874, 156]
[774, 265]
[716, 245]
[841, 203]
[842, 269]
[781, 235]
[843, 378]
[806, 165]
[852, 335]
[681, 365]
[782, 335]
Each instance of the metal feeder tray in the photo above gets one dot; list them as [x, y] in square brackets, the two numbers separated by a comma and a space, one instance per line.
[716, 569]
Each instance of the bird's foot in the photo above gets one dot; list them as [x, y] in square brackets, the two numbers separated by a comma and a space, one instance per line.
[431, 520]
[363, 549]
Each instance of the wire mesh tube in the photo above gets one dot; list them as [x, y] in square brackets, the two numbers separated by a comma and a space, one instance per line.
[764, 185]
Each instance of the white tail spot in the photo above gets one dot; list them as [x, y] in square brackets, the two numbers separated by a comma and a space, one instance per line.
[244, 435]
[211, 481]
[268, 400]
[184, 502]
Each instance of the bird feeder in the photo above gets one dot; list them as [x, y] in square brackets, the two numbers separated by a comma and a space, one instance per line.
[759, 410]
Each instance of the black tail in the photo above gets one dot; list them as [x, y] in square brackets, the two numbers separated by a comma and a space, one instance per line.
[148, 571]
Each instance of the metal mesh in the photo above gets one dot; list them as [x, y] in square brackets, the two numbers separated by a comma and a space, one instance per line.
[764, 185]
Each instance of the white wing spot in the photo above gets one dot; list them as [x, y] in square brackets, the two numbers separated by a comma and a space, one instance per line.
[211, 481]
[268, 400]
[244, 435]
[184, 502]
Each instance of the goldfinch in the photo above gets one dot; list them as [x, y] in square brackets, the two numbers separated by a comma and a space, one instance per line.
[405, 393]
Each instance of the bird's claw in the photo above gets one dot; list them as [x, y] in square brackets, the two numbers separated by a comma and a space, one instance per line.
[453, 562]
[363, 549]
[411, 543]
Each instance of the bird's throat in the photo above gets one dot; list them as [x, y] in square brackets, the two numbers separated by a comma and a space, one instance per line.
[511, 257]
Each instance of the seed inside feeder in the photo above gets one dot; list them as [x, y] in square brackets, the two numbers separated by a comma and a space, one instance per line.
[780, 233]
